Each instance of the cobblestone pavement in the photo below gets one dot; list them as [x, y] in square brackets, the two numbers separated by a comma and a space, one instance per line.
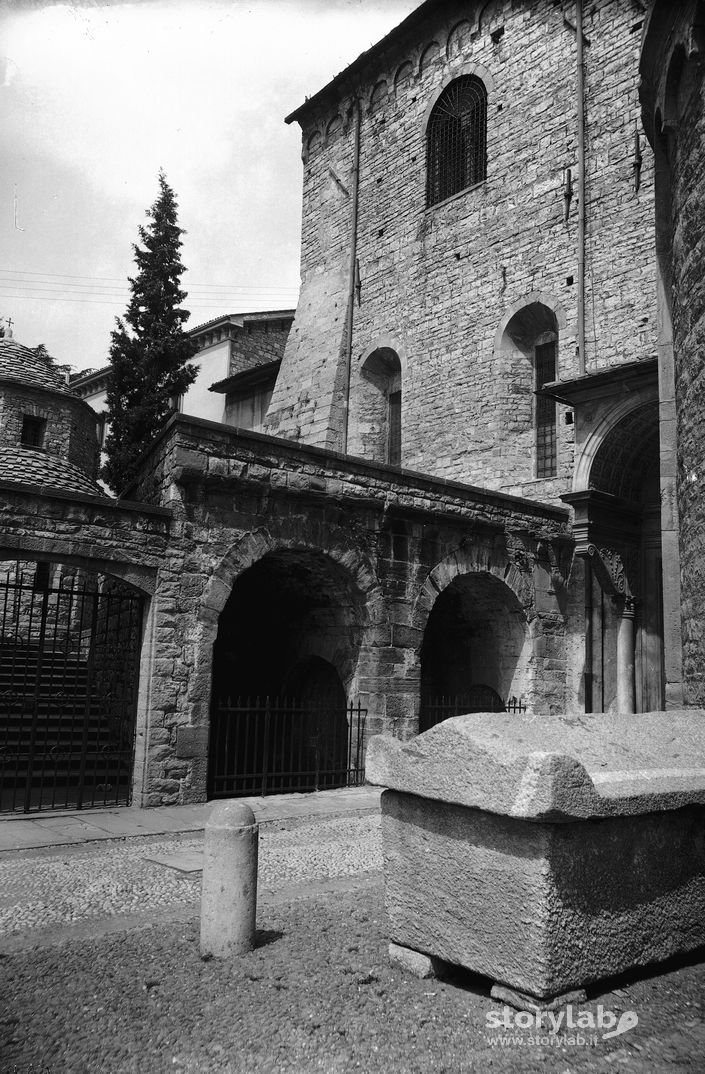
[130, 993]
[41, 891]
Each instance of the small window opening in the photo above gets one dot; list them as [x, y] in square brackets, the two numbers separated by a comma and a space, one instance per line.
[394, 441]
[546, 445]
[42, 577]
[33, 431]
[101, 428]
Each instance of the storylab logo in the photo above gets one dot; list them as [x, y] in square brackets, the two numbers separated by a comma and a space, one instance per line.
[566, 1027]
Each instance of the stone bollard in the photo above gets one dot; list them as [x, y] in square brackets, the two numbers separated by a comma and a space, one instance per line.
[229, 892]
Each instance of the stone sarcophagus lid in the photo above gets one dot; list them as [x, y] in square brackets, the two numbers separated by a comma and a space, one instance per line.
[545, 853]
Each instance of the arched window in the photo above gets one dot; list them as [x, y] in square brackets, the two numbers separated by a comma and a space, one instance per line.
[380, 406]
[457, 139]
[530, 347]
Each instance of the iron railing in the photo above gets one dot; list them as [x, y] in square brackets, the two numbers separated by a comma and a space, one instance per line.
[69, 654]
[265, 745]
[478, 699]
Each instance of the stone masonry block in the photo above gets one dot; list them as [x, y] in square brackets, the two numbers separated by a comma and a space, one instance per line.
[191, 742]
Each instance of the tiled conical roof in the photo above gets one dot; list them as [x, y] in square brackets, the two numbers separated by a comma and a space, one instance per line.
[26, 466]
[22, 364]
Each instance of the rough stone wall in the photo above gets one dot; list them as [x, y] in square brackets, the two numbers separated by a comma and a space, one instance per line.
[439, 285]
[70, 424]
[398, 539]
[128, 541]
[257, 344]
[673, 98]
[689, 340]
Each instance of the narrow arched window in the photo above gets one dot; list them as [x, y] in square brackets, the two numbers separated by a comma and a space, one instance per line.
[394, 428]
[545, 425]
[379, 403]
[457, 139]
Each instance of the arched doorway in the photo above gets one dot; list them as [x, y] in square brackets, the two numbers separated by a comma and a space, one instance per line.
[286, 649]
[625, 597]
[475, 651]
[70, 642]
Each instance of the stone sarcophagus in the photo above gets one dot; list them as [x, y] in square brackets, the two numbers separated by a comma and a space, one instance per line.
[545, 853]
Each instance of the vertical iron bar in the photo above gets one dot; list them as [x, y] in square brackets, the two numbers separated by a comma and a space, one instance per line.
[223, 761]
[246, 743]
[87, 706]
[265, 751]
[35, 711]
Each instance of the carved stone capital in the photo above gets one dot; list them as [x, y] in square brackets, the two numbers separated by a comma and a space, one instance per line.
[616, 575]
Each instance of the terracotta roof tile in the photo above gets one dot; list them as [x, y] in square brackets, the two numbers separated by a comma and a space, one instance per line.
[22, 364]
[29, 466]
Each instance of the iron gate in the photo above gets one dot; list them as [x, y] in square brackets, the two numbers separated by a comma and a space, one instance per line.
[69, 660]
[266, 745]
[479, 699]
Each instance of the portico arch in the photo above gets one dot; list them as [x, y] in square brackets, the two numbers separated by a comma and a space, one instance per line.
[286, 650]
[617, 503]
[476, 611]
[291, 534]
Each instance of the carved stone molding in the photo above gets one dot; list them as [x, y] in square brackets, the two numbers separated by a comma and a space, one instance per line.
[616, 571]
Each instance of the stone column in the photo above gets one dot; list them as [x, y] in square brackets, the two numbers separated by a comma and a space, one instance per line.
[625, 658]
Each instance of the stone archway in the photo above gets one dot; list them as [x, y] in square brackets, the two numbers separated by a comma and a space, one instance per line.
[618, 533]
[476, 649]
[483, 604]
[282, 643]
[291, 605]
[293, 534]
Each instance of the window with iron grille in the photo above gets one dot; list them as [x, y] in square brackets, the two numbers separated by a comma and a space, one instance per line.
[546, 448]
[457, 139]
[394, 442]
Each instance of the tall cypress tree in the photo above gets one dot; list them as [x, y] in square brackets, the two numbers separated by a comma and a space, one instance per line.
[150, 351]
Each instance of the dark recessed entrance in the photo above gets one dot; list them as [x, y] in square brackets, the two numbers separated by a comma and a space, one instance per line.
[475, 651]
[287, 641]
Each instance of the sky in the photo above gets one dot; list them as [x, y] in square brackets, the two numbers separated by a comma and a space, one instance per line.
[96, 96]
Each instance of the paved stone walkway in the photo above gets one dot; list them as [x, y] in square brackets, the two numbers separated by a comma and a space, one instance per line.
[79, 876]
[23, 832]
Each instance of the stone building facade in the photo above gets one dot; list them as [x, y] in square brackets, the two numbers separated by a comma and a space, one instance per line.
[281, 553]
[673, 99]
[38, 411]
[460, 289]
[461, 489]
[238, 357]
[488, 318]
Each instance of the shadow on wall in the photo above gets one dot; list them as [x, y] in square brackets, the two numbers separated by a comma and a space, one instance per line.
[477, 635]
